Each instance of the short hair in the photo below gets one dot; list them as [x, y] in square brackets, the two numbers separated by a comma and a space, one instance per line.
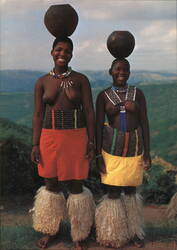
[62, 39]
[119, 60]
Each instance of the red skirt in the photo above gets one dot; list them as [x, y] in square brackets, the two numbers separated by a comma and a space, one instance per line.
[63, 154]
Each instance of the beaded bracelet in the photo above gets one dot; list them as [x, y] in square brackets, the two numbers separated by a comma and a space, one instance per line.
[90, 142]
[98, 156]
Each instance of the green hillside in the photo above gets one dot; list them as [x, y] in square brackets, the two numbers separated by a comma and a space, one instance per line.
[161, 103]
[17, 106]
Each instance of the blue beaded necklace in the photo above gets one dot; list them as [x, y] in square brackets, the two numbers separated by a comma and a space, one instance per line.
[123, 120]
[120, 89]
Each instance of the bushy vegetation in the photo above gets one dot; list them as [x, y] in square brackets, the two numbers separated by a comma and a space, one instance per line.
[20, 175]
[159, 186]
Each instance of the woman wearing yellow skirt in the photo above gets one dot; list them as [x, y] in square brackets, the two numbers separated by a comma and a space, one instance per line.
[122, 152]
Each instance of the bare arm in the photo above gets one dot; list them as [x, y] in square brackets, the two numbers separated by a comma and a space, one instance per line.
[100, 118]
[145, 129]
[37, 121]
[89, 115]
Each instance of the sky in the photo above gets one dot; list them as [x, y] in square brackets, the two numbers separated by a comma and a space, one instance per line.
[25, 42]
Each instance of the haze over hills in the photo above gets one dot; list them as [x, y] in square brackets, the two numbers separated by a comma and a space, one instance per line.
[24, 80]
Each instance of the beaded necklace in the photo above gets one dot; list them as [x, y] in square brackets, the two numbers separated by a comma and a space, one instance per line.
[120, 89]
[123, 120]
[115, 99]
[64, 84]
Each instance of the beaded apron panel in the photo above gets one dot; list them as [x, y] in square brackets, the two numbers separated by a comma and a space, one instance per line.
[125, 144]
[64, 119]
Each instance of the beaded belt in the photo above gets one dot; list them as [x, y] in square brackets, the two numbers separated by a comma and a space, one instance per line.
[125, 144]
[64, 119]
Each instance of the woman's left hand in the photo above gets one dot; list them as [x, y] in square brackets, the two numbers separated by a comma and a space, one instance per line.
[147, 161]
[90, 151]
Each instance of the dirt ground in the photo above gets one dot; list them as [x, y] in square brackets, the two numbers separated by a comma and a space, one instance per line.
[15, 212]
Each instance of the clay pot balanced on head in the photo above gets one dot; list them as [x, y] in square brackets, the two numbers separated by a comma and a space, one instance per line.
[120, 44]
[61, 20]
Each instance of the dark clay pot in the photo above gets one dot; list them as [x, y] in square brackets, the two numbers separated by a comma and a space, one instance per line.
[120, 43]
[61, 20]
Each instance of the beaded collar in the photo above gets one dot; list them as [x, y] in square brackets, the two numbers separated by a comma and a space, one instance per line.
[120, 89]
[62, 75]
[64, 84]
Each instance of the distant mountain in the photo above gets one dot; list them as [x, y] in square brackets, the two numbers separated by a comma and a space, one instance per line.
[102, 78]
[24, 80]
[18, 80]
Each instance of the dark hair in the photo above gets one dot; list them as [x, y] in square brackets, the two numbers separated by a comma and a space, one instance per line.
[62, 39]
[119, 60]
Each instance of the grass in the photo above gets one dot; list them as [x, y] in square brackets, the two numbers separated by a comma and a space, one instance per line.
[21, 237]
[164, 232]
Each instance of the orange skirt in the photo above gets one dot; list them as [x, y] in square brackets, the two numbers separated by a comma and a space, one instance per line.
[63, 154]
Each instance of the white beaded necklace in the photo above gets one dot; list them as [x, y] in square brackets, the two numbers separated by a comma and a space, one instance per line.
[64, 84]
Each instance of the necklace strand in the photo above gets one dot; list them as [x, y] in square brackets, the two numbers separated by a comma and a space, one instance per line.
[120, 89]
[64, 84]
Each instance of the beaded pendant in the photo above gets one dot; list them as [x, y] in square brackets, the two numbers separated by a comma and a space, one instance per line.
[115, 99]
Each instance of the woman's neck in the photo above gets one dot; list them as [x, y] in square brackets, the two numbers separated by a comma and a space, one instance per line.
[60, 70]
[120, 85]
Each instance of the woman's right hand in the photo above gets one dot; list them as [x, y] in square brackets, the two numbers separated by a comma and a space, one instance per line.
[101, 165]
[35, 154]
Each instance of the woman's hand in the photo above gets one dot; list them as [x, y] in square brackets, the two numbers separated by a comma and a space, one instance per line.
[101, 164]
[90, 154]
[35, 154]
[147, 161]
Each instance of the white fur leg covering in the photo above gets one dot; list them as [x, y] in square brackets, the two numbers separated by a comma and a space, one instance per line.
[81, 210]
[133, 207]
[49, 210]
[111, 226]
[172, 207]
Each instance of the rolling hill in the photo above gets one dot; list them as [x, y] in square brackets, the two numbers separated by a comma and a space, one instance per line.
[24, 80]
[160, 90]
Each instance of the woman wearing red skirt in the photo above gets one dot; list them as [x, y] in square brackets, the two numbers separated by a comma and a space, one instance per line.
[63, 146]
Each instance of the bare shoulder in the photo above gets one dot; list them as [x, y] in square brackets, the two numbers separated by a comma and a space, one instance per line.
[101, 95]
[140, 97]
[81, 78]
[139, 93]
[41, 80]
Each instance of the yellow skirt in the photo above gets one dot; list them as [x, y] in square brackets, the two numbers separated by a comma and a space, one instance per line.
[122, 171]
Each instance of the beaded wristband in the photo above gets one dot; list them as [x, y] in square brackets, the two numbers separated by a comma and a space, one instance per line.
[91, 143]
[98, 156]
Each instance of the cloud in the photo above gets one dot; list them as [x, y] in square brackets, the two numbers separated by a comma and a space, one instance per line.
[100, 9]
[160, 35]
[153, 23]
[97, 14]
[85, 45]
